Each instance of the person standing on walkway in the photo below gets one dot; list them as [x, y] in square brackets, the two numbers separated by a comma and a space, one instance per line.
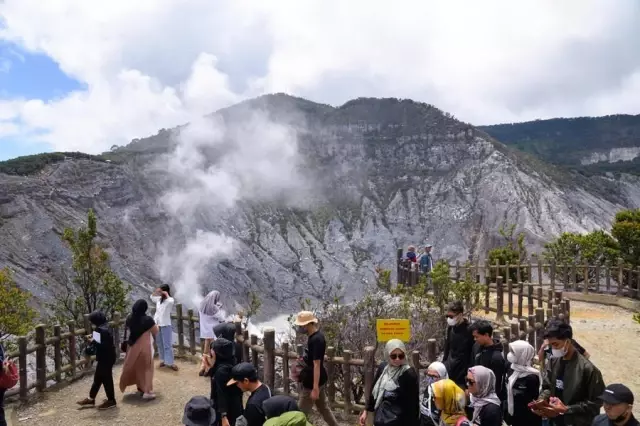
[227, 400]
[313, 376]
[105, 358]
[164, 339]
[523, 385]
[245, 377]
[395, 393]
[618, 405]
[138, 362]
[458, 344]
[210, 315]
[487, 408]
[487, 352]
[571, 383]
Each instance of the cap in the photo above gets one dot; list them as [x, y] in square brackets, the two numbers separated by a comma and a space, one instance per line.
[305, 317]
[242, 371]
[199, 412]
[617, 394]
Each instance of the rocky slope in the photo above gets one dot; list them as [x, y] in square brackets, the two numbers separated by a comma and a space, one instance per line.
[368, 177]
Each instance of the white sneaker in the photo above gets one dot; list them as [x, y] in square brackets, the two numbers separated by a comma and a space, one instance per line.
[149, 396]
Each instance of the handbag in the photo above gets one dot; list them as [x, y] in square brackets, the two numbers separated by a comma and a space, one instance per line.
[125, 343]
[388, 413]
[9, 377]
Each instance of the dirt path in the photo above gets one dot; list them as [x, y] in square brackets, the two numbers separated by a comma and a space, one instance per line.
[173, 390]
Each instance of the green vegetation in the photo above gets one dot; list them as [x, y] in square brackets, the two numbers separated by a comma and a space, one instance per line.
[31, 164]
[16, 316]
[94, 285]
[512, 252]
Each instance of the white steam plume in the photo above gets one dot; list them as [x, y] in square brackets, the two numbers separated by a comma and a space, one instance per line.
[215, 166]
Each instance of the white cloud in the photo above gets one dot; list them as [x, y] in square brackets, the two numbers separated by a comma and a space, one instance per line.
[157, 63]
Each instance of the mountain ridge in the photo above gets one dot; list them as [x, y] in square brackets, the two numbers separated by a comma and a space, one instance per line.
[365, 178]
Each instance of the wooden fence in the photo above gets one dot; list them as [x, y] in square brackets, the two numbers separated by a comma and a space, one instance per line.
[619, 279]
[264, 356]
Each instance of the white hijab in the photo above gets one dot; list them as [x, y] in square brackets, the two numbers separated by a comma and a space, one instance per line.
[388, 380]
[521, 360]
[426, 407]
[486, 385]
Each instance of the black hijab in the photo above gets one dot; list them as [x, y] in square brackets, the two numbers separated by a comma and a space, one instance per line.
[97, 318]
[278, 405]
[138, 321]
[224, 351]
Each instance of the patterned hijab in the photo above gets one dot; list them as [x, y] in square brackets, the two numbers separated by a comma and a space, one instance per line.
[210, 305]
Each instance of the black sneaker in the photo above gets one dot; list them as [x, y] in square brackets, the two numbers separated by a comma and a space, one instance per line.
[106, 405]
[87, 402]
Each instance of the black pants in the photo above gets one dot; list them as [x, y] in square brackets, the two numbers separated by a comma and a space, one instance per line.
[102, 377]
[3, 420]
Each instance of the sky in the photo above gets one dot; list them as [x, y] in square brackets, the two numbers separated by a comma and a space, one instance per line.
[83, 75]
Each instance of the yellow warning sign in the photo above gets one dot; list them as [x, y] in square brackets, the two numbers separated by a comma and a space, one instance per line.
[388, 329]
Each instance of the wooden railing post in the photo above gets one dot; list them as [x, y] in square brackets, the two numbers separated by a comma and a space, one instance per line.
[520, 298]
[415, 362]
[71, 325]
[552, 274]
[431, 350]
[346, 391]
[369, 372]
[331, 374]
[180, 329]
[487, 283]
[57, 352]
[269, 342]
[499, 301]
[540, 299]
[88, 331]
[567, 313]
[510, 296]
[191, 325]
[620, 277]
[254, 354]
[22, 367]
[245, 346]
[539, 269]
[116, 333]
[530, 298]
[41, 358]
[286, 385]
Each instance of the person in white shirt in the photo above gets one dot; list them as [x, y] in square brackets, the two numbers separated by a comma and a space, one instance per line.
[164, 339]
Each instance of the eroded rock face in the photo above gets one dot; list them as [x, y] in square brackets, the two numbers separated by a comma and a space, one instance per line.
[384, 174]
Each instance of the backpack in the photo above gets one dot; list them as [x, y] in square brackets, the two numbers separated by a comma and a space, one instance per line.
[10, 377]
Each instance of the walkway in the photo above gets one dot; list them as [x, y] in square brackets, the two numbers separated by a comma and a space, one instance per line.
[173, 390]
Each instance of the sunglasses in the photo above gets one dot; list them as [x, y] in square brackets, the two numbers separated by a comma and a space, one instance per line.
[470, 382]
[433, 376]
[396, 356]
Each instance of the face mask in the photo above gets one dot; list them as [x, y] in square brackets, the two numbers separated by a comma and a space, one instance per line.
[301, 330]
[558, 353]
[511, 358]
[620, 418]
[451, 322]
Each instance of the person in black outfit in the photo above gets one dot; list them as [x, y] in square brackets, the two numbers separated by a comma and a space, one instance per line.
[522, 386]
[227, 399]
[106, 358]
[245, 377]
[458, 344]
[278, 405]
[487, 352]
[618, 405]
[313, 376]
[227, 330]
[395, 394]
[487, 408]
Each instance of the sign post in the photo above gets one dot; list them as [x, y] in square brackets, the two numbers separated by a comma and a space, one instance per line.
[388, 329]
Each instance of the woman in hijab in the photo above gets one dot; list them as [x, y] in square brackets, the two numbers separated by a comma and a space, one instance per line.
[481, 383]
[450, 401]
[138, 362]
[523, 385]
[227, 400]
[211, 315]
[394, 399]
[429, 413]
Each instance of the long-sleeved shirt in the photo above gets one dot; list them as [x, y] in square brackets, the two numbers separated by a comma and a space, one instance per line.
[458, 347]
[163, 310]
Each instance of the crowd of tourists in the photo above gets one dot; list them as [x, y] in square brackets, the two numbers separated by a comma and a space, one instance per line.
[475, 384]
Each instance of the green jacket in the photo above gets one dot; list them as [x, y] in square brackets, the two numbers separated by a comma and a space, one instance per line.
[583, 385]
[290, 418]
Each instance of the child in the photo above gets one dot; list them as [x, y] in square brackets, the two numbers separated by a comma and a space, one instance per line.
[106, 358]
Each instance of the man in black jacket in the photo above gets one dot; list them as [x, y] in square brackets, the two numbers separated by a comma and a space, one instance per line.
[106, 357]
[618, 405]
[457, 345]
[487, 352]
